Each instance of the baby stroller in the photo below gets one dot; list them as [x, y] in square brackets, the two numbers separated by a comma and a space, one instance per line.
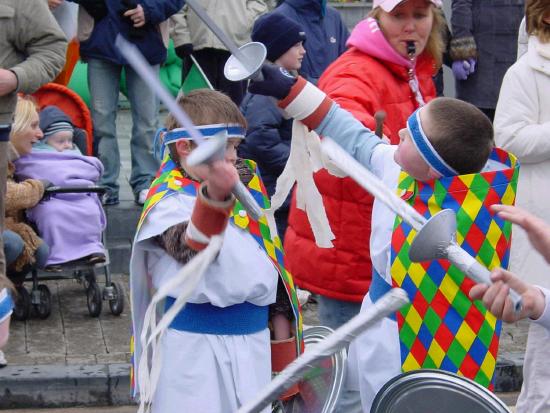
[39, 299]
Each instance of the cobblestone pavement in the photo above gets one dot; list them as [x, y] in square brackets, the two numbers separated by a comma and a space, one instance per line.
[70, 336]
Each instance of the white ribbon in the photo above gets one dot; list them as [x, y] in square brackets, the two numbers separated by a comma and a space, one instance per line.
[304, 160]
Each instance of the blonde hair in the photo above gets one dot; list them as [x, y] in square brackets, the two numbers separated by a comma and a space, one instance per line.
[535, 12]
[435, 45]
[24, 110]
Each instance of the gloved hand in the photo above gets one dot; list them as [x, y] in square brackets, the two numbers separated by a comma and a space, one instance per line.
[45, 183]
[184, 50]
[276, 82]
[464, 68]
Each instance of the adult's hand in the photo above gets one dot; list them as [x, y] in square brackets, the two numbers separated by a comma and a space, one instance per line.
[276, 82]
[496, 300]
[137, 16]
[8, 82]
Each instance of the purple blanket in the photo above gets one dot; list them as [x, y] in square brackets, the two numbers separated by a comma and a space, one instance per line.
[71, 224]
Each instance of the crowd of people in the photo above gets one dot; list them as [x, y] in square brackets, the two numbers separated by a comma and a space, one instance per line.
[226, 283]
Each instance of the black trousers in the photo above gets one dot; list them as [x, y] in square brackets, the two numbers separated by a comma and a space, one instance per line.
[212, 62]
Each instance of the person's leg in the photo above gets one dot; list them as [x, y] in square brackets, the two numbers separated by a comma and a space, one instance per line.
[144, 124]
[13, 246]
[4, 134]
[206, 59]
[103, 83]
[490, 113]
[534, 396]
[333, 313]
[235, 90]
[41, 255]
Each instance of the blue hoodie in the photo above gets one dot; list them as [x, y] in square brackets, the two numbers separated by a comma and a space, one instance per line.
[325, 31]
[101, 43]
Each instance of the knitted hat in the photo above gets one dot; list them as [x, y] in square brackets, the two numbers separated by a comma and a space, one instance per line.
[389, 5]
[57, 127]
[278, 33]
[53, 120]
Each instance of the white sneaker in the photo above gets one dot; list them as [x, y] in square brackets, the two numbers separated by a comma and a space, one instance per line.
[142, 196]
[303, 296]
[3, 361]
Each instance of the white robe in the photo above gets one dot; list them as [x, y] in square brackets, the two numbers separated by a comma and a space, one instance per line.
[202, 372]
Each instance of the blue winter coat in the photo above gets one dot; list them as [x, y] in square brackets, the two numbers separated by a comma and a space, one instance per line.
[101, 43]
[267, 140]
[494, 26]
[326, 34]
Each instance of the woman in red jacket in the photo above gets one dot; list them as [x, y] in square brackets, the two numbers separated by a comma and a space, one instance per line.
[389, 65]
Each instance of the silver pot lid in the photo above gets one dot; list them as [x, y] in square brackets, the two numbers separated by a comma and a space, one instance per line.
[426, 391]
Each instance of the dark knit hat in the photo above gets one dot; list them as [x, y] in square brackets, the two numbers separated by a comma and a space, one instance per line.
[53, 120]
[278, 33]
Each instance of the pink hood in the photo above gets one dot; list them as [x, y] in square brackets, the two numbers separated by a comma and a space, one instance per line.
[368, 38]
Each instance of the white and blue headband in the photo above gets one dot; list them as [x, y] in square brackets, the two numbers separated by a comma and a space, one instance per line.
[425, 148]
[233, 130]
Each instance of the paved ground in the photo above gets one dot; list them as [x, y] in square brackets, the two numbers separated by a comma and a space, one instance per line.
[79, 353]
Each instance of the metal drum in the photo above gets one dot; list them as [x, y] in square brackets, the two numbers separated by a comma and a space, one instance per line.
[426, 391]
[321, 386]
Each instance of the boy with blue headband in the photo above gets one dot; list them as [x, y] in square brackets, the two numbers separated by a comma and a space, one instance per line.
[216, 351]
[446, 159]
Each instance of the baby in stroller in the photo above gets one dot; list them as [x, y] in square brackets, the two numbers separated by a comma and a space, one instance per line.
[70, 223]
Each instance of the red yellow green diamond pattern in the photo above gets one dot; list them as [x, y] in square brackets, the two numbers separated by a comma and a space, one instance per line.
[443, 328]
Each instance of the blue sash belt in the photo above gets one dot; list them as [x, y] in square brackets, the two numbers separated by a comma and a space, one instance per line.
[378, 287]
[206, 318]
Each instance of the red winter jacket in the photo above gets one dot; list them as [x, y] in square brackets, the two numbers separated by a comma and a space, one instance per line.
[362, 84]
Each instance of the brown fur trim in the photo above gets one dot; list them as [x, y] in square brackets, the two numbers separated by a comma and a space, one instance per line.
[463, 48]
[173, 242]
[245, 174]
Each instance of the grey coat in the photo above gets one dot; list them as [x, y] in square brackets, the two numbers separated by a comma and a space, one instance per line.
[31, 45]
[488, 31]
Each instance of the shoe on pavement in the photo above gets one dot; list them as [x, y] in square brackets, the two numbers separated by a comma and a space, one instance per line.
[109, 199]
[3, 361]
[142, 196]
[96, 258]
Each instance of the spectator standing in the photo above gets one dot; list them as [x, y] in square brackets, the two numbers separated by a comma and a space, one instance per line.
[374, 74]
[483, 47]
[192, 36]
[325, 30]
[269, 134]
[144, 24]
[522, 126]
[32, 52]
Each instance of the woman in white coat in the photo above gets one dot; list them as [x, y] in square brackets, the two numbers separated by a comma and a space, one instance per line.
[522, 126]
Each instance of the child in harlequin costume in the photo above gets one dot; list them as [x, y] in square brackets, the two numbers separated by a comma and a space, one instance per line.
[445, 159]
[215, 354]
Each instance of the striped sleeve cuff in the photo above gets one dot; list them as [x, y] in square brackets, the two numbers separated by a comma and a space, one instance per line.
[307, 103]
[208, 218]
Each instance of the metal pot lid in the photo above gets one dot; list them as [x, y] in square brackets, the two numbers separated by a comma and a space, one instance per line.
[322, 384]
[426, 391]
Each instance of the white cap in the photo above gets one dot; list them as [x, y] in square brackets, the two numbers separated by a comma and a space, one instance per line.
[389, 5]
